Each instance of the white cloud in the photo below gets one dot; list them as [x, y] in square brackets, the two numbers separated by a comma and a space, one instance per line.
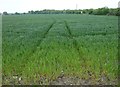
[26, 5]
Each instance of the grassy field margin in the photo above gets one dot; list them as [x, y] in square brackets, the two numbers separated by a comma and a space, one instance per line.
[119, 50]
[0, 50]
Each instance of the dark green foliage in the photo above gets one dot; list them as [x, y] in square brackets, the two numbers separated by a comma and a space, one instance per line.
[99, 11]
[16, 13]
[5, 13]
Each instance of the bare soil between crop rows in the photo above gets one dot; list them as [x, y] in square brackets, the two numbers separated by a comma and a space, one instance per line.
[61, 80]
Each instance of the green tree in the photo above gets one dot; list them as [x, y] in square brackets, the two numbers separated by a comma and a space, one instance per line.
[16, 13]
[5, 13]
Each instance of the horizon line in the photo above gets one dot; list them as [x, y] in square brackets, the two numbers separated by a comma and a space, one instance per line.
[60, 9]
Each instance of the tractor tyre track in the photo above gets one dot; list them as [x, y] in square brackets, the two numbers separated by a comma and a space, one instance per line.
[75, 44]
[39, 43]
[44, 36]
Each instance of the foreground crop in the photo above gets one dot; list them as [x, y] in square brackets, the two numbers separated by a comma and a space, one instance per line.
[40, 49]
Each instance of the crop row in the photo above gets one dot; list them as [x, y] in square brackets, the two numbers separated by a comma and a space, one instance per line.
[47, 46]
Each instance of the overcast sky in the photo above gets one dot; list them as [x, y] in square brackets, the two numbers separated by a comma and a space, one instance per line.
[12, 6]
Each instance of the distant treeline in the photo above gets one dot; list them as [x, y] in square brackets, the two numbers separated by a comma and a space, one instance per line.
[99, 11]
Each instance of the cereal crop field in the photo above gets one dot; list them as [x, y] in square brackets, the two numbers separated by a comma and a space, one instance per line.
[39, 49]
